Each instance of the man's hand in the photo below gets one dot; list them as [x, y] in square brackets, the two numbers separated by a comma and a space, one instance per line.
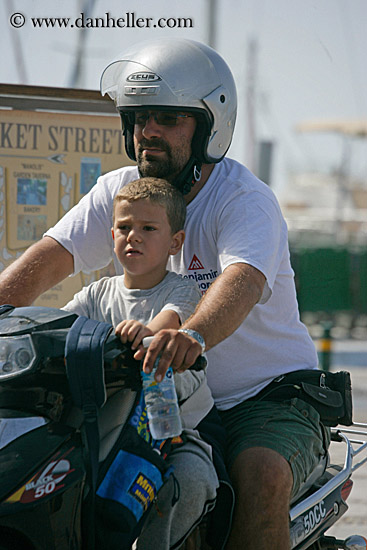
[134, 332]
[176, 349]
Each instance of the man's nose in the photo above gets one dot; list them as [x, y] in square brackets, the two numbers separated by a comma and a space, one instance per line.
[151, 128]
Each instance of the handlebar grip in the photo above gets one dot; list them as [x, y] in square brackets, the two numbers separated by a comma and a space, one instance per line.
[147, 341]
[200, 363]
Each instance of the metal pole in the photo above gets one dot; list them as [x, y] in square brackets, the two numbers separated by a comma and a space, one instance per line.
[76, 79]
[326, 346]
[212, 18]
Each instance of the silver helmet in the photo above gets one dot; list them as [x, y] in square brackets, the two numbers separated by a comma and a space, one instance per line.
[176, 74]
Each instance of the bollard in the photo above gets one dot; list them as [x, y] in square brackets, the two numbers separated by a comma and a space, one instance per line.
[325, 346]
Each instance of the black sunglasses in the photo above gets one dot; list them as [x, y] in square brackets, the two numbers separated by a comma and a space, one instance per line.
[163, 118]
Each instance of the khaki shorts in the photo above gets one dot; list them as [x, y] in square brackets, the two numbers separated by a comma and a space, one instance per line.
[292, 428]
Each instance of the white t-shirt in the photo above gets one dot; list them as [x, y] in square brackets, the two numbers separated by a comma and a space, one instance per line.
[235, 218]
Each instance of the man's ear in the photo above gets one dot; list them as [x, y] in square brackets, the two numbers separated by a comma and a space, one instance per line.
[177, 242]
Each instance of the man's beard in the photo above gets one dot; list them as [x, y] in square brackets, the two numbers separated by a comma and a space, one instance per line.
[167, 167]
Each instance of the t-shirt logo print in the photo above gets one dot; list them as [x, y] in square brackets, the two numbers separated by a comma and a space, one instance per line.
[195, 263]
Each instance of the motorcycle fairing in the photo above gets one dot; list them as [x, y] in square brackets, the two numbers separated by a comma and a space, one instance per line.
[23, 320]
[25, 459]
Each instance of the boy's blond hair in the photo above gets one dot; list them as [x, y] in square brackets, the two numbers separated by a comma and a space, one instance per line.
[158, 191]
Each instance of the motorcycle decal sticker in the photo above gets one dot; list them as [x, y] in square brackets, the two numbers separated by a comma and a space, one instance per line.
[314, 517]
[308, 522]
[43, 483]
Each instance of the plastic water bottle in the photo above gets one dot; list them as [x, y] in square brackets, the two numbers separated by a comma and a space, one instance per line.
[162, 406]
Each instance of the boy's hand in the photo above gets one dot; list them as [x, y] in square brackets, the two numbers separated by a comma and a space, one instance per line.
[132, 331]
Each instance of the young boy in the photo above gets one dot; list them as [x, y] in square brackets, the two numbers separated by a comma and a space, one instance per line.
[148, 220]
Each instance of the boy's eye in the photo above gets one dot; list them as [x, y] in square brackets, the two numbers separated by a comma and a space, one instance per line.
[123, 227]
[149, 228]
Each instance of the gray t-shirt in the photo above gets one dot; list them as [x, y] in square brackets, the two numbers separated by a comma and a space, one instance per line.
[110, 301]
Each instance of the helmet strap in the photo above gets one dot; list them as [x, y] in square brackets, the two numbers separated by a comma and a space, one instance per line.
[189, 176]
[197, 172]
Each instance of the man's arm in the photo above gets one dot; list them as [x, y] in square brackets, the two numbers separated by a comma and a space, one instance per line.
[219, 313]
[42, 266]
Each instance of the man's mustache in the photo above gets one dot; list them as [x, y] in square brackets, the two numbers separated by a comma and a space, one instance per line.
[154, 143]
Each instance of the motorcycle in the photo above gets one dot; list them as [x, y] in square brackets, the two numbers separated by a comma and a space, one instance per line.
[43, 463]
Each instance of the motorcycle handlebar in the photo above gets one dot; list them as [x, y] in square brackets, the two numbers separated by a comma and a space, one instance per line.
[114, 348]
[199, 364]
[120, 365]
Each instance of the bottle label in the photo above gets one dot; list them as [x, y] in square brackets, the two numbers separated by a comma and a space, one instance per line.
[162, 407]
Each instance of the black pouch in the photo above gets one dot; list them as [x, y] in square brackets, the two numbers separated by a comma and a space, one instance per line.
[130, 485]
[129, 481]
[328, 392]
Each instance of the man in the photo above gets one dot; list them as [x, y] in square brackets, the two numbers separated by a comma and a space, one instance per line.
[177, 100]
